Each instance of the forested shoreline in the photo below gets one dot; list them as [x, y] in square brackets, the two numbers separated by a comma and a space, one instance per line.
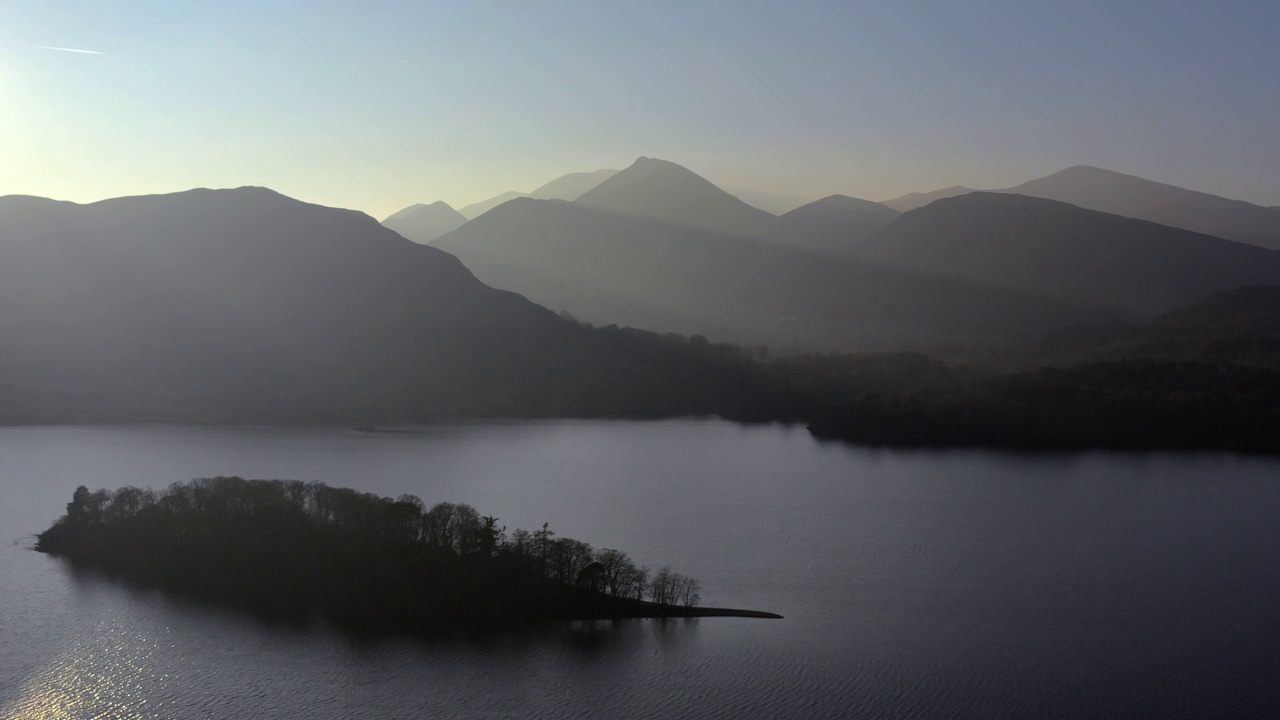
[357, 559]
[1204, 378]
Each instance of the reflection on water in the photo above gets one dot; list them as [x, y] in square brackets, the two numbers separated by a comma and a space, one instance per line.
[914, 584]
[108, 672]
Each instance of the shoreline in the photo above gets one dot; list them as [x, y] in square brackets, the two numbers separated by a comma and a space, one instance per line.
[652, 611]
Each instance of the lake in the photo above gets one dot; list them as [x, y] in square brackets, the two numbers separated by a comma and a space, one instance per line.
[930, 584]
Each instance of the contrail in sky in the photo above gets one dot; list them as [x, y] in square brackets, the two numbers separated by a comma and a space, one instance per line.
[62, 49]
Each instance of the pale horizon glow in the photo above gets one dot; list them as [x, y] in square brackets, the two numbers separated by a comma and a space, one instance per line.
[382, 105]
[66, 49]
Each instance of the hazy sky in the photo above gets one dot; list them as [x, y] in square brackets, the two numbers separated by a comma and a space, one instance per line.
[378, 105]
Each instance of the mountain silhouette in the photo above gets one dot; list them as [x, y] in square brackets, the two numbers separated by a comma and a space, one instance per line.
[770, 202]
[1135, 197]
[837, 223]
[475, 210]
[608, 267]
[572, 186]
[423, 223]
[673, 194]
[247, 306]
[565, 187]
[914, 200]
[1069, 254]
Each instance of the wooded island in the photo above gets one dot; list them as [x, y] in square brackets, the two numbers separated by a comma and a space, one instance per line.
[359, 560]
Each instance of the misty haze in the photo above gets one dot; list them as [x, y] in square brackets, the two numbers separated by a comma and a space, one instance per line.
[404, 360]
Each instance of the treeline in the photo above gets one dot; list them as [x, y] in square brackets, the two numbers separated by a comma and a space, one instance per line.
[1240, 327]
[1205, 377]
[1202, 378]
[1141, 404]
[357, 558]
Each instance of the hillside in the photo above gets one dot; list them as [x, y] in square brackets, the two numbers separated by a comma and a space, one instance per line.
[1135, 197]
[914, 200]
[607, 267]
[1236, 327]
[1068, 254]
[836, 223]
[423, 223]
[247, 306]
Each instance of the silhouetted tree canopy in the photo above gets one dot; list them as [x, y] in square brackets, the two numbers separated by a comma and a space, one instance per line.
[359, 559]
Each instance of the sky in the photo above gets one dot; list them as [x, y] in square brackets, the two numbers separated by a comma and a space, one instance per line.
[378, 105]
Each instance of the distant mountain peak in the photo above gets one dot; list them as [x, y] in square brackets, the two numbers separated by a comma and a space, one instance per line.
[838, 200]
[1068, 253]
[438, 206]
[425, 222]
[653, 166]
[1137, 197]
[835, 223]
[1086, 172]
[673, 193]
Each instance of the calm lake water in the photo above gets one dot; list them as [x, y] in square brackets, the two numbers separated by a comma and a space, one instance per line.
[914, 584]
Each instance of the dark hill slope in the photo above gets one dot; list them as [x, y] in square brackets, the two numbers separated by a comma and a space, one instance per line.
[1236, 327]
[247, 306]
[837, 223]
[608, 267]
[1069, 254]
[914, 200]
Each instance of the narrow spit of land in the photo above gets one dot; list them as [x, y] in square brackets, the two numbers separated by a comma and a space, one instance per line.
[360, 560]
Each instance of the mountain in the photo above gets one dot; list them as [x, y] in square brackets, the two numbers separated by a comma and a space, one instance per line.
[247, 306]
[773, 203]
[423, 223]
[836, 223]
[673, 194]
[1135, 197]
[475, 210]
[609, 267]
[571, 186]
[565, 187]
[911, 201]
[1068, 254]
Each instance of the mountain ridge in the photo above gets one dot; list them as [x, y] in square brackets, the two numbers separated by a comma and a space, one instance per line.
[425, 222]
[1132, 196]
[566, 187]
[1062, 251]
[836, 223]
[245, 305]
[674, 194]
[605, 266]
[914, 200]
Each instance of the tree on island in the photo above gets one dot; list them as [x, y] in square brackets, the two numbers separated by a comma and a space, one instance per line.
[357, 558]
